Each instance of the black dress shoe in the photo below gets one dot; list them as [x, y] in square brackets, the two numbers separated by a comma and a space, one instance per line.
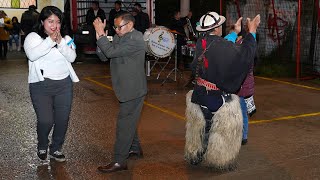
[138, 154]
[112, 167]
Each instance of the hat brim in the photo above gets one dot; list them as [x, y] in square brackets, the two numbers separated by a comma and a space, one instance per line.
[222, 20]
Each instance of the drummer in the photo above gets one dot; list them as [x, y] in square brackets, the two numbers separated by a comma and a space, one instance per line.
[177, 27]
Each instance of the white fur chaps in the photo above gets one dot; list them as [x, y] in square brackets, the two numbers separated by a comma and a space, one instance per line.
[225, 134]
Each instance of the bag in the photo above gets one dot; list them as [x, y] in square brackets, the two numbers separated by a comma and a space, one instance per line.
[251, 107]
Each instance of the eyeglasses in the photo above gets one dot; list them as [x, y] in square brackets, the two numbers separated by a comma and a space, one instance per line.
[119, 27]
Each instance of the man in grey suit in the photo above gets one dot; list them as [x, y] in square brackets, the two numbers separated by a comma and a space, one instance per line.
[127, 58]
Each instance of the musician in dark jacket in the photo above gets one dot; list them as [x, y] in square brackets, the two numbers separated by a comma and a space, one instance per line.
[94, 12]
[112, 14]
[177, 26]
[142, 19]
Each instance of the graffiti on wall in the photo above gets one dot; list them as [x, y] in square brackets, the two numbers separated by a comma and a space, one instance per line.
[278, 18]
[276, 27]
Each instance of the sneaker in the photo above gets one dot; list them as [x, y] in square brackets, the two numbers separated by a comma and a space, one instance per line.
[58, 156]
[42, 154]
[244, 141]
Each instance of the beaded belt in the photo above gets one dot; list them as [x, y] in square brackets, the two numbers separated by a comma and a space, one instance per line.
[208, 85]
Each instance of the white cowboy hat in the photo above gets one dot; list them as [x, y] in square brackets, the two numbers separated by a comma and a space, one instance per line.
[210, 21]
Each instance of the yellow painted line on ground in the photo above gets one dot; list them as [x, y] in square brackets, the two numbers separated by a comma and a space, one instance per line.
[176, 115]
[165, 111]
[99, 77]
[98, 83]
[284, 118]
[285, 82]
[146, 103]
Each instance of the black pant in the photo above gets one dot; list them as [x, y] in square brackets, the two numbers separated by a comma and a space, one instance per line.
[52, 101]
[92, 37]
[126, 132]
[3, 43]
[180, 42]
[208, 117]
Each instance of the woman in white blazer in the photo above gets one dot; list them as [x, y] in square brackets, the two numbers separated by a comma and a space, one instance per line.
[50, 55]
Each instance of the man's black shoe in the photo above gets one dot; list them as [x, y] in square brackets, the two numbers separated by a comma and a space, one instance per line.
[138, 154]
[112, 167]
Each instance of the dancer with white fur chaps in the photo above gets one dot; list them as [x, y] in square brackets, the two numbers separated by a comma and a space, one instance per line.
[213, 113]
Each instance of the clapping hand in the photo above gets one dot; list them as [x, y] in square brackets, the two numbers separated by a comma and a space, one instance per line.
[253, 24]
[237, 26]
[56, 36]
[99, 26]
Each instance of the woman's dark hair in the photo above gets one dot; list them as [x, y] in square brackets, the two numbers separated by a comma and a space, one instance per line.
[14, 18]
[46, 13]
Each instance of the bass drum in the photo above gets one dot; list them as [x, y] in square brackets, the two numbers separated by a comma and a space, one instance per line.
[159, 41]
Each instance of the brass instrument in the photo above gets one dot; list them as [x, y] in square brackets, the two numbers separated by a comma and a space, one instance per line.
[190, 28]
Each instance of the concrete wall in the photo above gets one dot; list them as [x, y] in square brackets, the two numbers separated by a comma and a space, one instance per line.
[41, 4]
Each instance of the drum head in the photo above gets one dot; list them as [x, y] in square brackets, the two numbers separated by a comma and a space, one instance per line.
[160, 41]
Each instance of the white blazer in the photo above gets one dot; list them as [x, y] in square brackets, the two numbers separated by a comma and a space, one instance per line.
[37, 48]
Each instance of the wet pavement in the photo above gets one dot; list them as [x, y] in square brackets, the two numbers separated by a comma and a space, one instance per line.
[283, 138]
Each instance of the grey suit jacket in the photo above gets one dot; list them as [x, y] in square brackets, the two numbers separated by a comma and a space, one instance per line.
[127, 54]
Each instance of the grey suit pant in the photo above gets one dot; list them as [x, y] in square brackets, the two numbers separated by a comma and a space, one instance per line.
[126, 132]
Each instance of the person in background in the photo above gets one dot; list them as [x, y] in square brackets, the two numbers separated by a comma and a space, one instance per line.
[142, 19]
[127, 59]
[94, 12]
[50, 55]
[28, 20]
[245, 94]
[15, 34]
[177, 25]
[112, 14]
[5, 27]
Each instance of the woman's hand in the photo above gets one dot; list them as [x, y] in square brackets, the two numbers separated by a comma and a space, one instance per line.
[56, 37]
[59, 37]
[237, 26]
[253, 24]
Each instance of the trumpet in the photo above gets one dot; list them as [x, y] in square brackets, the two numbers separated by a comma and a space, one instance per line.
[189, 26]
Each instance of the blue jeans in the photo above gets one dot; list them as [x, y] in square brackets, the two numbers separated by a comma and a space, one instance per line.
[245, 118]
[14, 37]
